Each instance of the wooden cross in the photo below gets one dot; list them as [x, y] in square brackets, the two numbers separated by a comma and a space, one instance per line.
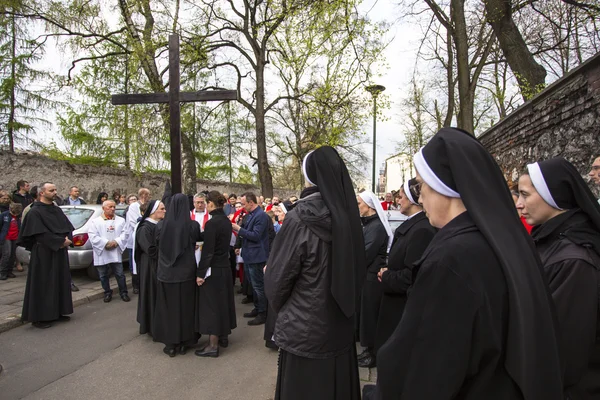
[174, 98]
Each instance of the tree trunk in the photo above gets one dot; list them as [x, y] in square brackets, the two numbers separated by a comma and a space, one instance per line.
[450, 78]
[530, 75]
[189, 165]
[465, 113]
[264, 171]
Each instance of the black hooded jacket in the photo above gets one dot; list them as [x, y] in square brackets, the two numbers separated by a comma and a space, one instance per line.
[297, 283]
[572, 271]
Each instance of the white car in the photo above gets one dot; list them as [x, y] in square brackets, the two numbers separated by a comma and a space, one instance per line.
[395, 218]
[80, 252]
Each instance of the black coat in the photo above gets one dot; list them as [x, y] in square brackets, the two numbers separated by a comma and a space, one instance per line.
[297, 283]
[451, 341]
[48, 288]
[146, 258]
[376, 242]
[573, 275]
[215, 307]
[410, 241]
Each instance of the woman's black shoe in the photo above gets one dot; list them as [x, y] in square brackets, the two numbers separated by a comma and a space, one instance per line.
[42, 324]
[182, 349]
[170, 351]
[368, 362]
[207, 353]
[223, 342]
[363, 355]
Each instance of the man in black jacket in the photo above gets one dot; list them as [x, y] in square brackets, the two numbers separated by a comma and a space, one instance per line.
[21, 195]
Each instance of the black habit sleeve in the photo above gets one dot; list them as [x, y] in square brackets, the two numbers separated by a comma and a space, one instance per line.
[51, 240]
[284, 264]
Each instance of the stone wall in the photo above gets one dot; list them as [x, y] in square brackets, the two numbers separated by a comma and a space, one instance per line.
[92, 180]
[563, 120]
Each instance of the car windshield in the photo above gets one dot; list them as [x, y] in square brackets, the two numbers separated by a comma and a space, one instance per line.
[78, 216]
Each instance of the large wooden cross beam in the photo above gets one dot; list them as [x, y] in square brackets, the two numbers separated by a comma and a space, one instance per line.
[174, 97]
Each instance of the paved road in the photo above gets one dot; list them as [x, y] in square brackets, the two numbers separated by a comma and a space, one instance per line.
[100, 355]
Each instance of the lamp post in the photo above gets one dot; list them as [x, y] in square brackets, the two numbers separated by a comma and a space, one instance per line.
[375, 90]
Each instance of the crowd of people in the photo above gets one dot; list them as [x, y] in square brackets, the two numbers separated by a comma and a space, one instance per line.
[477, 295]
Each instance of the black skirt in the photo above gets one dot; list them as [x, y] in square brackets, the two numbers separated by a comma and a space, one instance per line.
[215, 306]
[173, 321]
[300, 378]
[147, 298]
[390, 314]
[369, 311]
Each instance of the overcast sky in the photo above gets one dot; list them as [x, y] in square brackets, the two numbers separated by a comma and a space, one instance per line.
[400, 57]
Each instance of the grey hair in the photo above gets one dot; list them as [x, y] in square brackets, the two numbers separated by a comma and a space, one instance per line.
[200, 196]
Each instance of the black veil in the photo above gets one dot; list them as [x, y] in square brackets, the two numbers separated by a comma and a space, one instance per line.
[325, 169]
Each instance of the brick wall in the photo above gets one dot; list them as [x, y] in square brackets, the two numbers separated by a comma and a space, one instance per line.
[563, 120]
[92, 180]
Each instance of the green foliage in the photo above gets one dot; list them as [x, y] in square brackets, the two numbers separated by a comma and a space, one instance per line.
[22, 94]
[326, 55]
[245, 175]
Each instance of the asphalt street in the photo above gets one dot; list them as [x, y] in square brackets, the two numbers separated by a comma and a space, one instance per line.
[99, 354]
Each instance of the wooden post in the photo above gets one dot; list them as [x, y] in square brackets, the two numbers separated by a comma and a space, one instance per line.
[174, 114]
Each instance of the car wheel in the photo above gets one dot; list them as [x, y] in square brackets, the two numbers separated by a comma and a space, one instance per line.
[92, 272]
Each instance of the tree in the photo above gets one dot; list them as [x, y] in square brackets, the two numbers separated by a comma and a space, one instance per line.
[243, 35]
[419, 125]
[529, 73]
[325, 66]
[20, 101]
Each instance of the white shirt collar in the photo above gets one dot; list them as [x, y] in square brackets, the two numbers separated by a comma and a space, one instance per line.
[418, 212]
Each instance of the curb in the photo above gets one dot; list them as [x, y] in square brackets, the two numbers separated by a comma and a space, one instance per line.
[14, 322]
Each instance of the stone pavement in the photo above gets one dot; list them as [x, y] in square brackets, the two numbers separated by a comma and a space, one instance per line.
[11, 303]
[13, 290]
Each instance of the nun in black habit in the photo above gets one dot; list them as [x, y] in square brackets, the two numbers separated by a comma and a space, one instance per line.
[173, 322]
[478, 323]
[410, 241]
[215, 307]
[378, 239]
[311, 282]
[566, 218]
[146, 258]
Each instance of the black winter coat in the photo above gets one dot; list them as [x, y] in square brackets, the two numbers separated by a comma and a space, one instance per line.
[410, 241]
[573, 275]
[376, 241]
[297, 283]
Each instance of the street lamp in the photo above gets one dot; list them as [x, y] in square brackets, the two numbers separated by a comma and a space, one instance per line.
[375, 90]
